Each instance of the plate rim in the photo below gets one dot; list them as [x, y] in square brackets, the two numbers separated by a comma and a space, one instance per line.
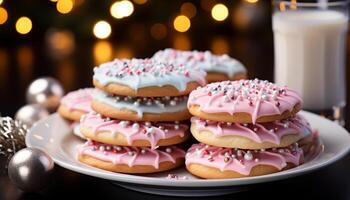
[129, 178]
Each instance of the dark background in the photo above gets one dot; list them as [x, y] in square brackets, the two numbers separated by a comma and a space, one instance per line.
[63, 46]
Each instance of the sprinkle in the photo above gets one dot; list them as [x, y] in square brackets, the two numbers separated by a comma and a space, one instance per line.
[123, 124]
[239, 153]
[168, 150]
[176, 127]
[226, 159]
[135, 126]
[173, 103]
[256, 160]
[118, 148]
[248, 156]
[108, 148]
[143, 151]
[131, 153]
[136, 103]
[255, 129]
[148, 124]
[101, 148]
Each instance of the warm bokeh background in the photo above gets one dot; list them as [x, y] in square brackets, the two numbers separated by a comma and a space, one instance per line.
[67, 38]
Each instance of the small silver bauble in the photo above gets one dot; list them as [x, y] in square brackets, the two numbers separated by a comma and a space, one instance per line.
[29, 114]
[45, 91]
[30, 169]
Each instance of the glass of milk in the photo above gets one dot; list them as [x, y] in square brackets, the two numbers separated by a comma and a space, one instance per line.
[310, 47]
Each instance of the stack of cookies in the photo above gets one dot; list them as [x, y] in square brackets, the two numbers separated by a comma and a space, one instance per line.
[140, 106]
[218, 67]
[246, 128]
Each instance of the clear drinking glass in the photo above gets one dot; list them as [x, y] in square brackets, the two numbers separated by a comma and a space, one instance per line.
[310, 48]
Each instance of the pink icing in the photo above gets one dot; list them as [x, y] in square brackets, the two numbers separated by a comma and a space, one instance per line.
[256, 97]
[243, 161]
[260, 132]
[131, 156]
[152, 132]
[78, 100]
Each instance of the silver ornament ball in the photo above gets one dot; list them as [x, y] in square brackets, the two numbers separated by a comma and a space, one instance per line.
[29, 114]
[30, 169]
[45, 91]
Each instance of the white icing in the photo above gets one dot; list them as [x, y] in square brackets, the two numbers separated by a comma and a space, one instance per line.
[139, 73]
[203, 60]
[181, 104]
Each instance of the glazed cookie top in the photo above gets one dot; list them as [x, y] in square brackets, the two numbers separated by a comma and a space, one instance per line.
[131, 156]
[78, 100]
[255, 97]
[260, 132]
[204, 60]
[140, 73]
[142, 105]
[243, 161]
[152, 132]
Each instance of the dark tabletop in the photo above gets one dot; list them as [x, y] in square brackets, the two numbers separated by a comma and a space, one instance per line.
[23, 60]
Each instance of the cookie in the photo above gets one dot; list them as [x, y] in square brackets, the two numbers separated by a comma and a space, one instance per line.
[141, 108]
[147, 78]
[244, 101]
[127, 133]
[218, 67]
[76, 103]
[218, 77]
[131, 160]
[248, 136]
[221, 163]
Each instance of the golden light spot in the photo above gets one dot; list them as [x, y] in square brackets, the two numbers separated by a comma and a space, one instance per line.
[124, 52]
[252, 1]
[102, 51]
[219, 12]
[1, 1]
[182, 42]
[182, 23]
[53, 0]
[121, 9]
[24, 25]
[158, 31]
[140, 1]
[188, 9]
[220, 46]
[64, 6]
[282, 6]
[102, 29]
[3, 15]
[293, 5]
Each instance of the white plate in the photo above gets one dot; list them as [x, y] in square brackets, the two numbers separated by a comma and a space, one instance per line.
[53, 135]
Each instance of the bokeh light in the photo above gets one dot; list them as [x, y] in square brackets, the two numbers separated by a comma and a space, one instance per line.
[181, 42]
[219, 12]
[182, 23]
[158, 31]
[3, 15]
[140, 1]
[60, 42]
[102, 29]
[1, 1]
[102, 51]
[123, 52]
[121, 9]
[252, 1]
[188, 9]
[64, 6]
[24, 25]
[220, 45]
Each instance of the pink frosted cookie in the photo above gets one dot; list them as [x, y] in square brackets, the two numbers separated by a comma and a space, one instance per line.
[127, 133]
[279, 133]
[147, 78]
[218, 67]
[244, 101]
[134, 160]
[76, 103]
[216, 162]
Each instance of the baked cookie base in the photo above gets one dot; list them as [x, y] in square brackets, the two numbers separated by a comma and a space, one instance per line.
[66, 113]
[124, 114]
[241, 117]
[123, 168]
[120, 140]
